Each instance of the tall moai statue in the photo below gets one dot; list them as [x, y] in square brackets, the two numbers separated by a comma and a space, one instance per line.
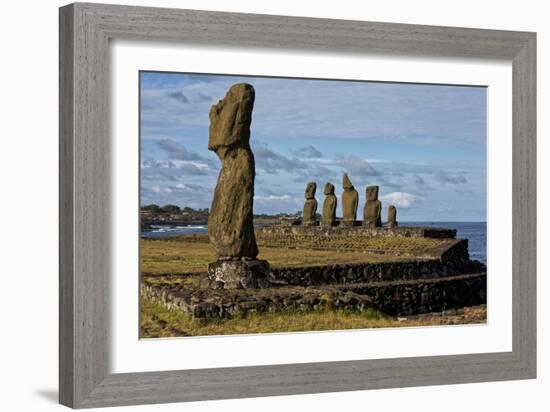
[230, 223]
[373, 208]
[350, 202]
[392, 216]
[329, 206]
[310, 205]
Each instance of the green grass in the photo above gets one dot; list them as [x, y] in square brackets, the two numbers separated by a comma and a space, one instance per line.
[158, 321]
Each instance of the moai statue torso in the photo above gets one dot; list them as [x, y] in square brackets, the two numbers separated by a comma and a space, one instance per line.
[310, 205]
[373, 208]
[350, 201]
[230, 224]
[392, 216]
[329, 206]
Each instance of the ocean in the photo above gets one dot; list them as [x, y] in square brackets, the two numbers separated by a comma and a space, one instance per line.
[165, 230]
[475, 232]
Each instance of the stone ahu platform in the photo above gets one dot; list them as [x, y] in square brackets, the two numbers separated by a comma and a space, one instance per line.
[417, 242]
[431, 272]
[339, 229]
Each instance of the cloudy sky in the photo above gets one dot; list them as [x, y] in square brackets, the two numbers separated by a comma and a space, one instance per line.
[424, 145]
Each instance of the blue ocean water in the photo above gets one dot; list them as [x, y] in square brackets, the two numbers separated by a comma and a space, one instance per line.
[166, 230]
[475, 232]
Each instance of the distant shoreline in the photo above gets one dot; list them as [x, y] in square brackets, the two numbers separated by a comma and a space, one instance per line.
[147, 223]
[475, 232]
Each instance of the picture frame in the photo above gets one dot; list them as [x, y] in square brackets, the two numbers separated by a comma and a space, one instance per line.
[85, 33]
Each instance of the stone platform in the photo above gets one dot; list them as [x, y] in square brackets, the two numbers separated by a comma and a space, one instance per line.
[395, 288]
[417, 242]
[374, 272]
[358, 231]
[397, 298]
[423, 270]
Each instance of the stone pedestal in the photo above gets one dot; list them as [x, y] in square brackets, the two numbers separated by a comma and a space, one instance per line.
[310, 223]
[237, 274]
[290, 222]
[350, 223]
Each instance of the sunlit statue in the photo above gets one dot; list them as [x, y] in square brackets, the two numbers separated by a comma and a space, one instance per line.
[373, 208]
[350, 202]
[329, 206]
[392, 216]
[310, 205]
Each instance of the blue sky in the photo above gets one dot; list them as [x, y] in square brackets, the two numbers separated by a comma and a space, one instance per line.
[424, 145]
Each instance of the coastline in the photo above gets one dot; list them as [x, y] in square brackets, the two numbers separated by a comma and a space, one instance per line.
[475, 232]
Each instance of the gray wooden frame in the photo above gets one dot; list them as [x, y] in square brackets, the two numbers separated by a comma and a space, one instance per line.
[85, 31]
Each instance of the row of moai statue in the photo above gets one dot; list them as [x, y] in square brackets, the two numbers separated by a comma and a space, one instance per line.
[350, 201]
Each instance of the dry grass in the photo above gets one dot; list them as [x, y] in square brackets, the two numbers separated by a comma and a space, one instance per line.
[157, 321]
[164, 257]
[193, 256]
[351, 241]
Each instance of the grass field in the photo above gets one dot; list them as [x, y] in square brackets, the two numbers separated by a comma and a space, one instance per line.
[192, 255]
[158, 322]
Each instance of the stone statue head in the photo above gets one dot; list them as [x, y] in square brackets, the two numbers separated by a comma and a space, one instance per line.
[372, 192]
[329, 189]
[346, 183]
[230, 119]
[392, 211]
[310, 190]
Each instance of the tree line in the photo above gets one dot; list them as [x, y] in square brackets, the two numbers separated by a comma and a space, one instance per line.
[173, 210]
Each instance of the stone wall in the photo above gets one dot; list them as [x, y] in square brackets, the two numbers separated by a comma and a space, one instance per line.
[400, 231]
[424, 296]
[374, 272]
[393, 298]
[210, 304]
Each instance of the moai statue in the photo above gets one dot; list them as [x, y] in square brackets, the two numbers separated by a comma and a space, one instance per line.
[350, 201]
[230, 224]
[392, 216]
[329, 206]
[310, 205]
[373, 208]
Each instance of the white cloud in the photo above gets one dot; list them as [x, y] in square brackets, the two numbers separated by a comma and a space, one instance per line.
[172, 164]
[272, 197]
[294, 108]
[276, 204]
[161, 189]
[308, 152]
[444, 177]
[400, 199]
[357, 166]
